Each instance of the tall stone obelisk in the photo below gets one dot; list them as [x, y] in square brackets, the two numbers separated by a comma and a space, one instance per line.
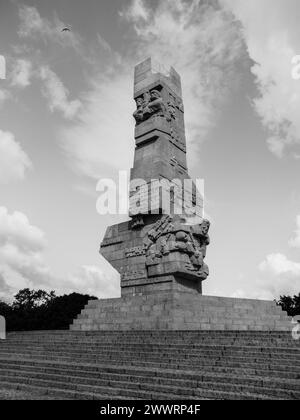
[159, 255]
[157, 250]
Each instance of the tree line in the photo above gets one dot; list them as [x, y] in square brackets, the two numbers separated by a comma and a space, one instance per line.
[41, 310]
[290, 304]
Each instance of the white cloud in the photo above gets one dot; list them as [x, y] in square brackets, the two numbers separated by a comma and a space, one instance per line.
[21, 73]
[295, 242]
[22, 263]
[57, 94]
[282, 277]
[35, 29]
[2, 67]
[4, 95]
[103, 43]
[100, 142]
[136, 11]
[17, 228]
[13, 160]
[91, 280]
[34, 26]
[272, 32]
[279, 264]
[21, 248]
[203, 43]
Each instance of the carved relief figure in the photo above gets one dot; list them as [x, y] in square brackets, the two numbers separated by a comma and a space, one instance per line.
[156, 104]
[138, 114]
[171, 111]
[148, 105]
[166, 237]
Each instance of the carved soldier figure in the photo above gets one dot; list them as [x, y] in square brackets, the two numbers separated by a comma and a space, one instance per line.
[172, 111]
[150, 104]
[139, 114]
[156, 104]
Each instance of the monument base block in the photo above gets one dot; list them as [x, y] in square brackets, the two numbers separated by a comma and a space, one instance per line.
[181, 311]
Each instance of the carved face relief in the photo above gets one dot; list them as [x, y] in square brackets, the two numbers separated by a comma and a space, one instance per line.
[205, 227]
[139, 102]
[147, 97]
[155, 94]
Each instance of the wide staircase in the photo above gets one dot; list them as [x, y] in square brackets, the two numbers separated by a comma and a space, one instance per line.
[173, 365]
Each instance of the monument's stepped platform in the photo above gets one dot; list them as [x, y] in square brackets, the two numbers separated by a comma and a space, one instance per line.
[153, 365]
[181, 311]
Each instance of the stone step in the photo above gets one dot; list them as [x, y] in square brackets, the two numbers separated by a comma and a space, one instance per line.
[201, 313]
[153, 365]
[163, 364]
[94, 391]
[200, 354]
[162, 335]
[121, 324]
[168, 338]
[112, 353]
[161, 346]
[256, 341]
[181, 324]
[181, 346]
[183, 380]
[206, 313]
[53, 366]
[60, 393]
[151, 345]
[178, 363]
[292, 347]
[150, 391]
[166, 353]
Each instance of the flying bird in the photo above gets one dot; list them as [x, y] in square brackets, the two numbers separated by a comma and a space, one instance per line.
[66, 30]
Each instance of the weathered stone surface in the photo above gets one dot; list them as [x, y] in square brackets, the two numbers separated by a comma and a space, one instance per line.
[162, 251]
[151, 365]
[161, 259]
[156, 246]
[2, 328]
[171, 308]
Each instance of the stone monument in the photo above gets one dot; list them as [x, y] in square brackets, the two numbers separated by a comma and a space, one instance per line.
[156, 249]
[158, 253]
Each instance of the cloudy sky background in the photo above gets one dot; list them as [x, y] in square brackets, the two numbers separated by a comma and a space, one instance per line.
[65, 122]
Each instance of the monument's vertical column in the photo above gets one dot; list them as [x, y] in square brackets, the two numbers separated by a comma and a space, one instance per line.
[157, 250]
[160, 152]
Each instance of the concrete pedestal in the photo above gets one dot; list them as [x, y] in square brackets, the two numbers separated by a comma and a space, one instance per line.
[181, 311]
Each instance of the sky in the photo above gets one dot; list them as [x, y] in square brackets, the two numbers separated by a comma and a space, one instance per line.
[66, 122]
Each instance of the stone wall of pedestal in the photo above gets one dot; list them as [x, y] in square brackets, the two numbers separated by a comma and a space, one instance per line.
[181, 311]
[161, 254]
